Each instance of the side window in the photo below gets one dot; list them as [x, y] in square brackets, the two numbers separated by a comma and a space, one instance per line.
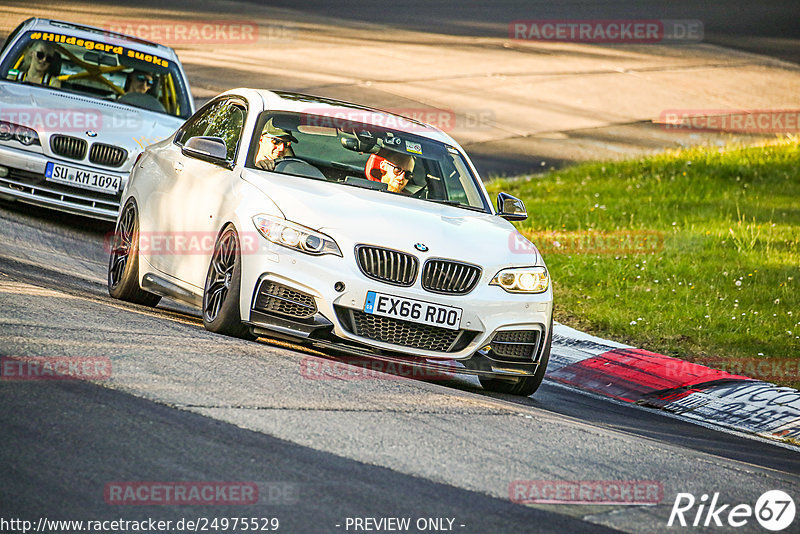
[11, 37]
[223, 119]
[228, 126]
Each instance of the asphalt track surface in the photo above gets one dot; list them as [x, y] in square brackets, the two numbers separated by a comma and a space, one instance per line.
[516, 106]
[768, 27]
[183, 404]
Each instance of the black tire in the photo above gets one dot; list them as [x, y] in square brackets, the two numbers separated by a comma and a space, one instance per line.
[526, 385]
[222, 288]
[123, 261]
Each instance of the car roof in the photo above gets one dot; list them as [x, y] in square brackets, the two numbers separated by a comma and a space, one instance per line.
[93, 33]
[303, 103]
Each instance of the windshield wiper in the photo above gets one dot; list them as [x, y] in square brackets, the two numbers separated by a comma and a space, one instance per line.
[456, 204]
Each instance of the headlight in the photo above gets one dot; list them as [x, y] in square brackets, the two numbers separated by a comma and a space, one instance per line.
[23, 134]
[295, 236]
[522, 280]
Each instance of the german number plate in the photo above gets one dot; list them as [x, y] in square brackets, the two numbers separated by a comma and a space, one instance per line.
[105, 183]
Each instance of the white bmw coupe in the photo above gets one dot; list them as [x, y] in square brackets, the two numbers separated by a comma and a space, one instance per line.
[340, 226]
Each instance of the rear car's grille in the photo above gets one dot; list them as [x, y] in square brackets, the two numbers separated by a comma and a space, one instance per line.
[450, 277]
[108, 155]
[403, 333]
[277, 298]
[518, 345]
[387, 265]
[69, 147]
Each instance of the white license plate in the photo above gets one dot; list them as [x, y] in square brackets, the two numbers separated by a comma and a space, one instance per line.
[106, 183]
[416, 311]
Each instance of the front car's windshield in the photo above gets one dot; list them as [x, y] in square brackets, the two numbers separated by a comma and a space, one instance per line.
[349, 153]
[105, 68]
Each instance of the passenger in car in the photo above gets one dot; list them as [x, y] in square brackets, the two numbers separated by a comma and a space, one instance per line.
[275, 144]
[392, 168]
[41, 65]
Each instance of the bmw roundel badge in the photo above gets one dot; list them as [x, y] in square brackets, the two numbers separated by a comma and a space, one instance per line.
[421, 247]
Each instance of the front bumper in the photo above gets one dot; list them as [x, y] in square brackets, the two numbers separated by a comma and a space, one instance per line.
[25, 180]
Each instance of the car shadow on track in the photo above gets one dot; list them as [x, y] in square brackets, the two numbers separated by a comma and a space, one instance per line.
[30, 213]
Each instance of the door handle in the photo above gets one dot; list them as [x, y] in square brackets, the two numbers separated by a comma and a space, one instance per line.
[178, 166]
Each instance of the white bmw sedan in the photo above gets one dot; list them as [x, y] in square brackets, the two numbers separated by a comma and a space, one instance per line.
[340, 226]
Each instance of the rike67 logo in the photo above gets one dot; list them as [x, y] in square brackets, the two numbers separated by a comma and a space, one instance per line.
[774, 510]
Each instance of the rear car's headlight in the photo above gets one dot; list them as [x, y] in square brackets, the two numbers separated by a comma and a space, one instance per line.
[522, 280]
[295, 236]
[23, 134]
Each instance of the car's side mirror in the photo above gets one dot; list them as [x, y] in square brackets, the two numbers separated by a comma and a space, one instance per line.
[511, 208]
[211, 149]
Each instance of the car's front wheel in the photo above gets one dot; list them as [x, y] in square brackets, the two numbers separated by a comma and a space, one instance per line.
[123, 263]
[525, 385]
[222, 288]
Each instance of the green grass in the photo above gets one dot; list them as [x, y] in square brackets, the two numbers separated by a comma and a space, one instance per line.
[718, 281]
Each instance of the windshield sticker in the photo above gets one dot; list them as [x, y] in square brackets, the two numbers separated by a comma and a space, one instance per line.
[416, 148]
[105, 47]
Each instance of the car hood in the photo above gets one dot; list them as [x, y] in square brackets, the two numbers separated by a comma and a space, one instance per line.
[353, 215]
[50, 112]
